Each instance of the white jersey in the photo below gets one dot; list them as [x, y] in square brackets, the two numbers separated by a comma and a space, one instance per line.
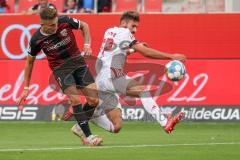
[111, 58]
[113, 52]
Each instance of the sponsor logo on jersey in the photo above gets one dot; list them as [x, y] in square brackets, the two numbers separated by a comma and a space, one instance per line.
[64, 33]
[60, 44]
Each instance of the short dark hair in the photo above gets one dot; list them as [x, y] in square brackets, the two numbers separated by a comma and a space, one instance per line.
[130, 15]
[48, 13]
[73, 0]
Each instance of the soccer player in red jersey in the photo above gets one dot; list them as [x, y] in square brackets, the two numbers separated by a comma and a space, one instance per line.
[56, 39]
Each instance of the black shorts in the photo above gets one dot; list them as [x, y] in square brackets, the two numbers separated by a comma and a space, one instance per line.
[73, 74]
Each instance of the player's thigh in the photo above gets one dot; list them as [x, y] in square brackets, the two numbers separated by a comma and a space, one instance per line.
[84, 80]
[134, 88]
[86, 84]
[65, 80]
[120, 84]
[91, 94]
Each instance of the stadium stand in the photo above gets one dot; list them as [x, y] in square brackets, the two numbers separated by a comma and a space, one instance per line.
[11, 6]
[58, 3]
[124, 5]
[26, 4]
[152, 5]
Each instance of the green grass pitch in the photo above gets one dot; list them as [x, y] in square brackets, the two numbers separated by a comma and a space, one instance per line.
[137, 141]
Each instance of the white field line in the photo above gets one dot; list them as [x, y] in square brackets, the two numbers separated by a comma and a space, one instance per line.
[110, 147]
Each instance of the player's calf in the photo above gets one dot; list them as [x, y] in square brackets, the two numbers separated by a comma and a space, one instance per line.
[135, 89]
[82, 119]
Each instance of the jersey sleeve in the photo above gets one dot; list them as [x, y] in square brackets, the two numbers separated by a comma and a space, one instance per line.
[73, 22]
[127, 36]
[34, 7]
[50, 5]
[33, 48]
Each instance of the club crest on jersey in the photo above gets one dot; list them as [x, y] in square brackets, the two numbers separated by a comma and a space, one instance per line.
[64, 33]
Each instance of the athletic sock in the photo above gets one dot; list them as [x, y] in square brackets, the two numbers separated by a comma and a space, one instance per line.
[103, 122]
[82, 119]
[89, 110]
[152, 108]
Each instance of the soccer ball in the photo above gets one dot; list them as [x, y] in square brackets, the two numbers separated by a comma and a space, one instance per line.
[175, 70]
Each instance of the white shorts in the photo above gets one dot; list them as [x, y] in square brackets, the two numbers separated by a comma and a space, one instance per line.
[109, 90]
[108, 101]
[117, 85]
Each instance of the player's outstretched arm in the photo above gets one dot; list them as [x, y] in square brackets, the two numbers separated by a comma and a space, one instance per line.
[87, 38]
[152, 53]
[27, 78]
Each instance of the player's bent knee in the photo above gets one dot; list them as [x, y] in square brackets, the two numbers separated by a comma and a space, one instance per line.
[117, 128]
[93, 101]
[74, 100]
[141, 90]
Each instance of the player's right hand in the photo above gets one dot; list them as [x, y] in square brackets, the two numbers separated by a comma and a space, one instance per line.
[179, 57]
[22, 97]
[87, 51]
[145, 44]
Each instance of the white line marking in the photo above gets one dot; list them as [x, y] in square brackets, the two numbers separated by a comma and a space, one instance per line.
[109, 147]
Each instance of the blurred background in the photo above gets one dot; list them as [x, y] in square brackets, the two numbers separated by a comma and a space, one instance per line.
[206, 31]
[144, 6]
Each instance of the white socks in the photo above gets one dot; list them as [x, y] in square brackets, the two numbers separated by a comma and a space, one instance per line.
[103, 122]
[152, 108]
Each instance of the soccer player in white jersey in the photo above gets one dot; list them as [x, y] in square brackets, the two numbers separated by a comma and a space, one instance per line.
[118, 43]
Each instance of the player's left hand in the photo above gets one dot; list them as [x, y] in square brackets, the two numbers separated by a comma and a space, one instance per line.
[87, 51]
